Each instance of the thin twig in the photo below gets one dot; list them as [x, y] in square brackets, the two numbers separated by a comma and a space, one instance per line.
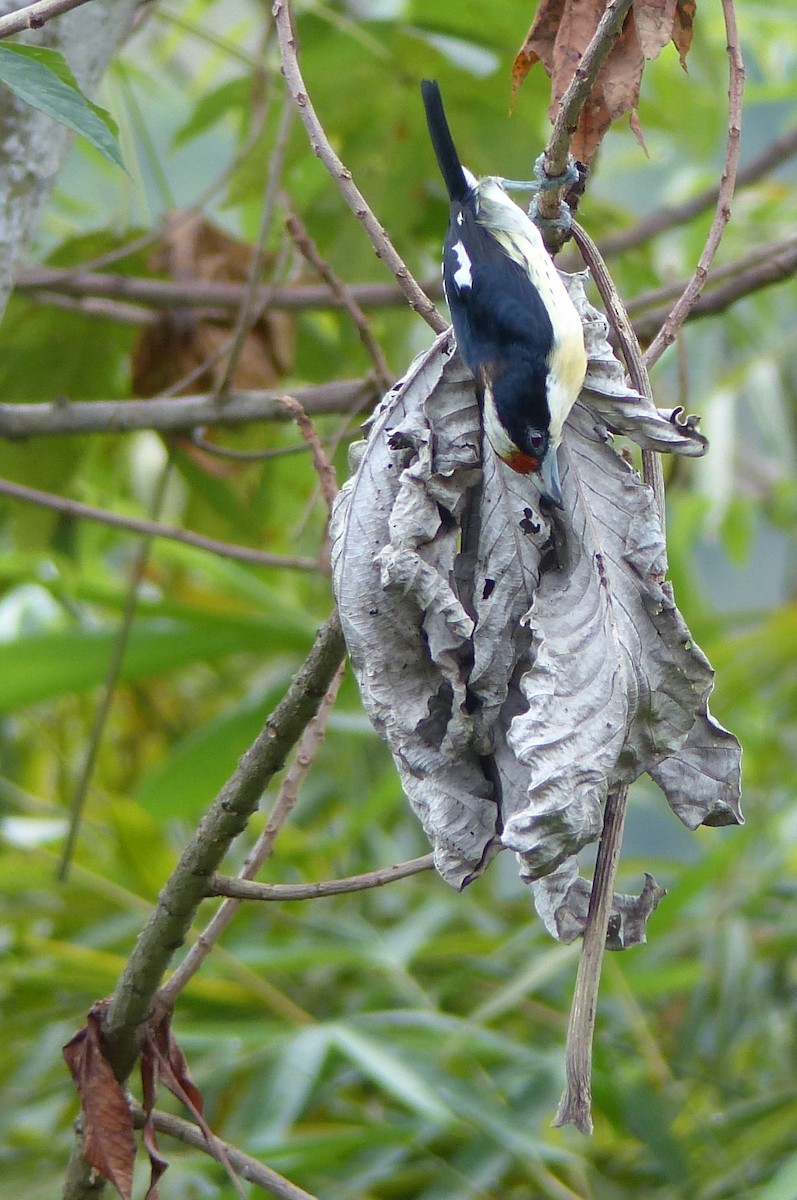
[759, 258]
[260, 853]
[625, 333]
[342, 176]
[112, 673]
[244, 889]
[213, 296]
[680, 310]
[344, 294]
[251, 309]
[575, 1107]
[34, 16]
[779, 267]
[573, 101]
[153, 529]
[247, 1167]
[780, 151]
[323, 467]
[179, 413]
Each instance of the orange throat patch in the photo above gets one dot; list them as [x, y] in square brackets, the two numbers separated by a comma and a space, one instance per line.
[524, 464]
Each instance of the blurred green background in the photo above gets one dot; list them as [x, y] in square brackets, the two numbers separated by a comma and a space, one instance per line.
[405, 1043]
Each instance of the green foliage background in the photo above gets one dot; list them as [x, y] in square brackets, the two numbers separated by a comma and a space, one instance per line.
[407, 1042]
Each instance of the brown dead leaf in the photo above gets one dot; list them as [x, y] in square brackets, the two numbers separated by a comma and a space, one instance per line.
[109, 1142]
[560, 34]
[162, 1060]
[654, 23]
[539, 43]
[183, 341]
[682, 27]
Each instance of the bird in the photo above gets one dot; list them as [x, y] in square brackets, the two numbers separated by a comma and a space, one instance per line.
[516, 327]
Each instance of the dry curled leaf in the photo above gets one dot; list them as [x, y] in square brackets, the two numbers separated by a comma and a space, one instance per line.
[109, 1141]
[185, 340]
[560, 34]
[518, 665]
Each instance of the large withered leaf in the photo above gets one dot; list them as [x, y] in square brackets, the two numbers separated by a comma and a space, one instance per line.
[561, 32]
[109, 1140]
[394, 536]
[520, 666]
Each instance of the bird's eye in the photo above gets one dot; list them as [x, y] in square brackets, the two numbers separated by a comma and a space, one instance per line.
[536, 440]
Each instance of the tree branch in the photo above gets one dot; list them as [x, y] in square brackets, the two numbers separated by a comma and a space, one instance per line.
[245, 1166]
[780, 266]
[680, 310]
[140, 525]
[260, 853]
[245, 889]
[180, 413]
[34, 16]
[574, 99]
[773, 156]
[575, 1107]
[342, 176]
[161, 293]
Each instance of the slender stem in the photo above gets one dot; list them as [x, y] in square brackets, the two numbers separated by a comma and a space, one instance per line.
[247, 1167]
[344, 295]
[681, 309]
[152, 529]
[251, 309]
[260, 853]
[112, 673]
[180, 413]
[34, 16]
[575, 1107]
[225, 885]
[342, 176]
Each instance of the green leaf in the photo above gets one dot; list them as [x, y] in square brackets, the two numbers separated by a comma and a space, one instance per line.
[43, 79]
[37, 668]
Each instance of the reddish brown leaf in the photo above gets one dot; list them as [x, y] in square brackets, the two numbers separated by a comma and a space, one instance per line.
[109, 1143]
[539, 43]
[654, 23]
[682, 27]
[561, 32]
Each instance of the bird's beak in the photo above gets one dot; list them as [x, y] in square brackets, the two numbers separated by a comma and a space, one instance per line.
[549, 474]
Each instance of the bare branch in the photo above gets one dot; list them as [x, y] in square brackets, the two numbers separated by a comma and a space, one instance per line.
[574, 99]
[628, 341]
[247, 1167]
[780, 266]
[575, 1107]
[261, 851]
[251, 309]
[667, 334]
[342, 176]
[773, 156]
[243, 889]
[323, 467]
[344, 294]
[34, 16]
[160, 293]
[153, 529]
[180, 413]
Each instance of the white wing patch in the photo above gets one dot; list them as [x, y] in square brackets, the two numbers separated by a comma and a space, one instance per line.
[462, 276]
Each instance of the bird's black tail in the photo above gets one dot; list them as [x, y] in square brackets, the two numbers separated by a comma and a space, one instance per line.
[444, 148]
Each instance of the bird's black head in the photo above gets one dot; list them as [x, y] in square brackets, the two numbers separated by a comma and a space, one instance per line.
[518, 393]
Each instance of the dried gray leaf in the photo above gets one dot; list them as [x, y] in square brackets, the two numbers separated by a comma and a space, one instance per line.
[562, 903]
[393, 549]
[624, 410]
[518, 664]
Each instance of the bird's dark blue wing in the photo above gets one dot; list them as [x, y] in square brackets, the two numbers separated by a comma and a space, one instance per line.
[494, 305]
